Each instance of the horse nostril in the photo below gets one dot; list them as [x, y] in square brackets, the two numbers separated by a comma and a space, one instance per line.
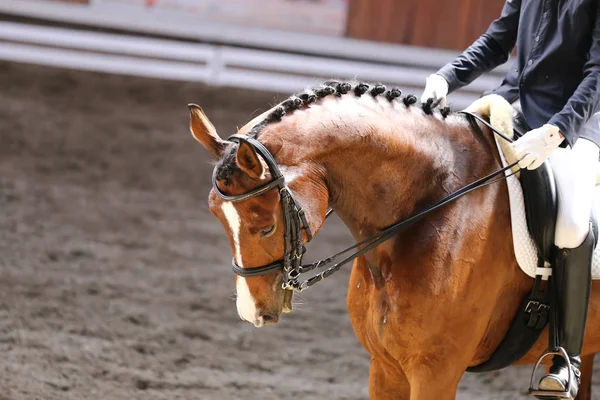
[270, 318]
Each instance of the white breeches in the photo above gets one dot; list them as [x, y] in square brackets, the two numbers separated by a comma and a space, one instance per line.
[575, 174]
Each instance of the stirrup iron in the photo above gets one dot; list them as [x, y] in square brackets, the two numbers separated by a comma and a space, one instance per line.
[552, 394]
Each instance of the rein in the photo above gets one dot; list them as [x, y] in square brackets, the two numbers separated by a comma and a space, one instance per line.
[295, 220]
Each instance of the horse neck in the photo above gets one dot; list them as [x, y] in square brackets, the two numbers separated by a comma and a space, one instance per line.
[382, 162]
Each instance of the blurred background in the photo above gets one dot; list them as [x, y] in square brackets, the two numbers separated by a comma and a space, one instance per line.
[114, 276]
[275, 45]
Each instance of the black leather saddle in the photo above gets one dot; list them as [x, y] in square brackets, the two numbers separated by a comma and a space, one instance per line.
[540, 196]
[541, 207]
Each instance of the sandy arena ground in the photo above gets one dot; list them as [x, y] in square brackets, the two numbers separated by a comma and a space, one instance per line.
[114, 277]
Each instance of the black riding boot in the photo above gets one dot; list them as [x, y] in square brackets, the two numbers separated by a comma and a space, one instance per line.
[574, 267]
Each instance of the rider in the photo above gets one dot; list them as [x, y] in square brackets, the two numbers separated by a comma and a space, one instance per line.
[556, 80]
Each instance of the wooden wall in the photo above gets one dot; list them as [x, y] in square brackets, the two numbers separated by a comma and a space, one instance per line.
[450, 24]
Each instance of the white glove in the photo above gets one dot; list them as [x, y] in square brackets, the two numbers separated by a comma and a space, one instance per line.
[436, 88]
[533, 148]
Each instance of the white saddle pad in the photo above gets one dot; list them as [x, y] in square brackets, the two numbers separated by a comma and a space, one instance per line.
[523, 243]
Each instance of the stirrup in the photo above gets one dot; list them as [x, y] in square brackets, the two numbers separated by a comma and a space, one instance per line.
[551, 394]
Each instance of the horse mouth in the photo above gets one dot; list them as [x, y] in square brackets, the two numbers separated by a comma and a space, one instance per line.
[287, 301]
[266, 320]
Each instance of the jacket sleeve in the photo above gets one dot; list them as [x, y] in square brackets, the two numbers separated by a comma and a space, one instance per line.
[486, 53]
[585, 101]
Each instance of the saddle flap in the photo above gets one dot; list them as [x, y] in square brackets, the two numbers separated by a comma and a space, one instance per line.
[539, 194]
[541, 205]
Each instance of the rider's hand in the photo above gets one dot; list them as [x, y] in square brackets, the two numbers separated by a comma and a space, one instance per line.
[436, 88]
[533, 148]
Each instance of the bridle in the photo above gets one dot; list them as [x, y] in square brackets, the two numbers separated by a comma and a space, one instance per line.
[295, 220]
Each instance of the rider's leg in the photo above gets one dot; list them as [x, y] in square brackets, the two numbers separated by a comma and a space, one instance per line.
[575, 173]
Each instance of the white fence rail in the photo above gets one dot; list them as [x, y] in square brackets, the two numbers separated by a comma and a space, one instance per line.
[252, 58]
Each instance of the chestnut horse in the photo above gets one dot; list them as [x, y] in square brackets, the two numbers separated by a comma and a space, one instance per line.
[427, 303]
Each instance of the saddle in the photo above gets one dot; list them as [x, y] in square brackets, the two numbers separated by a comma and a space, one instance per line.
[540, 198]
[541, 207]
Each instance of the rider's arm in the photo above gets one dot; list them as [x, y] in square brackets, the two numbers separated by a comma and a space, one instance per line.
[490, 50]
[585, 101]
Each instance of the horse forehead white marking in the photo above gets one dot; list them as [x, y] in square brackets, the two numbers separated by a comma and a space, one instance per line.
[233, 220]
[245, 303]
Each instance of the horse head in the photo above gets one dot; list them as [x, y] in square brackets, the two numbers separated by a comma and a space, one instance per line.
[255, 226]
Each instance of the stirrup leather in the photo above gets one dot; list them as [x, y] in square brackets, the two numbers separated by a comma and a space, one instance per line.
[552, 394]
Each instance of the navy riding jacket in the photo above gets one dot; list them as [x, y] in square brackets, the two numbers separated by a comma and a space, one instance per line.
[556, 74]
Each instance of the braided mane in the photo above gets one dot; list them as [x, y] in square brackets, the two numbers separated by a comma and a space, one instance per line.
[327, 88]
[227, 167]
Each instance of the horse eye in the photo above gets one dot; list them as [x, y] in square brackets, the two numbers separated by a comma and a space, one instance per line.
[267, 232]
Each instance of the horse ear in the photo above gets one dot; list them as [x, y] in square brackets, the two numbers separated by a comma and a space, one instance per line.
[248, 161]
[204, 132]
